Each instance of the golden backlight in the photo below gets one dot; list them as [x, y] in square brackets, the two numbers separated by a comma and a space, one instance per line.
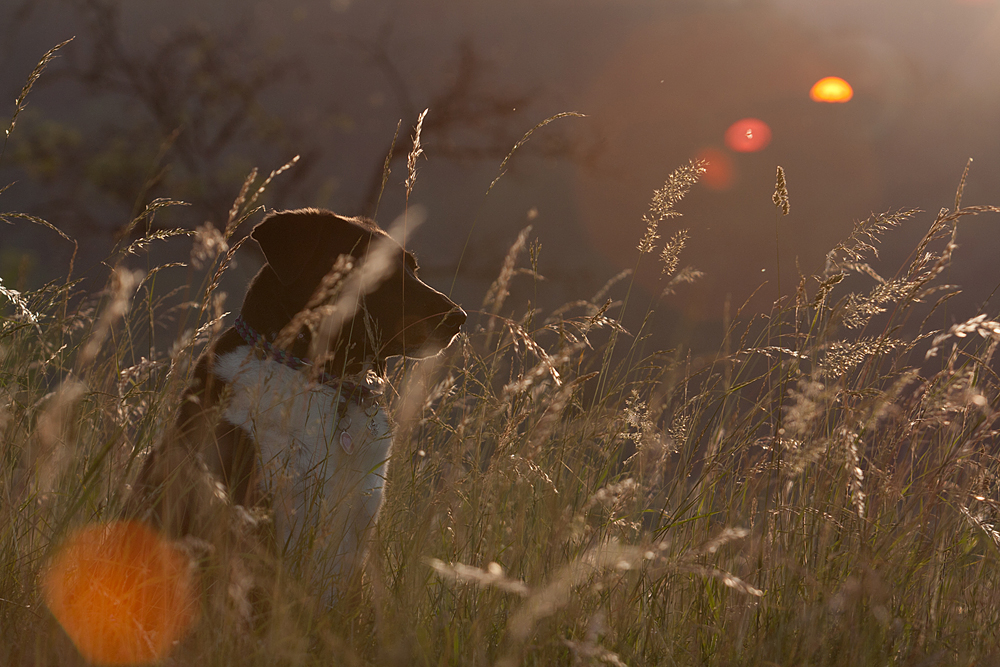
[831, 89]
[122, 593]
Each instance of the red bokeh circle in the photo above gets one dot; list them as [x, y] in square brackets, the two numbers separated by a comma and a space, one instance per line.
[748, 135]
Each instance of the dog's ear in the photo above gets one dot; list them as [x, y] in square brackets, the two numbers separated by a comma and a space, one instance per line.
[289, 240]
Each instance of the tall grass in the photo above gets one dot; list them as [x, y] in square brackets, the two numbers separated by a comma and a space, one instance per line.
[822, 491]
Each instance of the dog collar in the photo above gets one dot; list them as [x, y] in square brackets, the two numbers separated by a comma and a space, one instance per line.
[357, 392]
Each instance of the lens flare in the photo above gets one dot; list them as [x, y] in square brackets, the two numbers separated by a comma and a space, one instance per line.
[831, 89]
[123, 594]
[748, 135]
[718, 170]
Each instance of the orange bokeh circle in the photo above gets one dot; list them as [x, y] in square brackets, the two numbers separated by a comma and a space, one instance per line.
[748, 135]
[122, 593]
[718, 169]
[831, 89]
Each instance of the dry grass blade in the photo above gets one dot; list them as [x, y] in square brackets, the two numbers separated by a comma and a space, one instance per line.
[270, 177]
[670, 256]
[209, 243]
[685, 276]
[158, 235]
[593, 653]
[649, 238]
[524, 140]
[416, 152]
[961, 185]
[213, 326]
[35, 220]
[858, 310]
[728, 579]
[500, 173]
[20, 102]
[233, 220]
[160, 267]
[614, 280]
[53, 448]
[492, 576]
[983, 523]
[547, 365]
[780, 196]
[123, 285]
[843, 356]
[15, 298]
[386, 167]
[677, 185]
[723, 538]
[555, 594]
[864, 239]
[498, 291]
[978, 324]
[148, 214]
[662, 206]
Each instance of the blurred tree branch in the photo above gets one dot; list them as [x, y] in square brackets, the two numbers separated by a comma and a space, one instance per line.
[185, 112]
[469, 119]
[202, 92]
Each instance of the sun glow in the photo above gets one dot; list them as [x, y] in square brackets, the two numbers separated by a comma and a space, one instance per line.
[831, 89]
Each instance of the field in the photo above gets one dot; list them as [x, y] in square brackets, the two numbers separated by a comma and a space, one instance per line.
[823, 490]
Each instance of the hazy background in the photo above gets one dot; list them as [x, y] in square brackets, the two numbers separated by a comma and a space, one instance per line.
[182, 99]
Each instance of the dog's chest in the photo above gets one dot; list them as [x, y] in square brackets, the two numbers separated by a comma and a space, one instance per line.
[322, 458]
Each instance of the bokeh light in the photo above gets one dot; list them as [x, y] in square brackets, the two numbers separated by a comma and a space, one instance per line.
[122, 593]
[718, 170]
[748, 135]
[831, 89]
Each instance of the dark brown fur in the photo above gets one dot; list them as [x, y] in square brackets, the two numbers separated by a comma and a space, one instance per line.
[204, 464]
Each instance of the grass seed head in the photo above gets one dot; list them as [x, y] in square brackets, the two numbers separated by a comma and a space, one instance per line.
[780, 196]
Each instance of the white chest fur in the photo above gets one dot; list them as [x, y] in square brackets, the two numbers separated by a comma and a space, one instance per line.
[324, 473]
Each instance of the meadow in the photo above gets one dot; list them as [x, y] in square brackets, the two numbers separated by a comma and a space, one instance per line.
[822, 490]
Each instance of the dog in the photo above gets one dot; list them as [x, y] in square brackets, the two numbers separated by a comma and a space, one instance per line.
[284, 414]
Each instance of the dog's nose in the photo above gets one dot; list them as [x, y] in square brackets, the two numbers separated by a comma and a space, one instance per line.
[455, 319]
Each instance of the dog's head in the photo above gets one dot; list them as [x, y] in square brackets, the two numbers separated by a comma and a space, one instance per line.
[381, 308]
